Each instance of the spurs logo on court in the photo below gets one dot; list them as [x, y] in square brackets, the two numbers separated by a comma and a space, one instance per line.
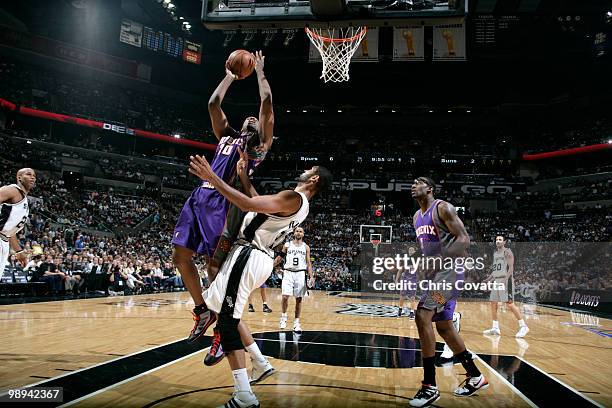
[364, 309]
[585, 300]
[229, 301]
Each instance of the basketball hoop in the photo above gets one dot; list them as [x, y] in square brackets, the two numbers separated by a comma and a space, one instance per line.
[336, 46]
[375, 243]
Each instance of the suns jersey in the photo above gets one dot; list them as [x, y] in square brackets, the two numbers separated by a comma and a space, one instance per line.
[296, 257]
[267, 231]
[227, 156]
[500, 264]
[13, 217]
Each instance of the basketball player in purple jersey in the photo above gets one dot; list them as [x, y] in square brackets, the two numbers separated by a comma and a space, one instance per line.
[440, 233]
[208, 223]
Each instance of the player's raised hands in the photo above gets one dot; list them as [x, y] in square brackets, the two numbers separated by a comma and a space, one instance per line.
[259, 62]
[228, 72]
[199, 167]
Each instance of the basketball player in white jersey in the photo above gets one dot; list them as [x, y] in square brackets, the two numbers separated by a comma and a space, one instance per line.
[14, 211]
[249, 264]
[297, 263]
[503, 273]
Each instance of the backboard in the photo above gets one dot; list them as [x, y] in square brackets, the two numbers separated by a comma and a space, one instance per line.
[294, 14]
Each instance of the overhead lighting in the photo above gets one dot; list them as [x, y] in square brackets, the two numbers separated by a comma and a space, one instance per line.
[430, 111]
[30, 142]
[184, 22]
[181, 18]
[392, 110]
[450, 111]
[288, 111]
[339, 110]
[188, 26]
[177, 136]
[376, 110]
[304, 111]
[322, 110]
[609, 141]
[166, 1]
[468, 111]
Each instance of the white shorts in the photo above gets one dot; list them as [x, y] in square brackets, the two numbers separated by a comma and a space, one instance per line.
[244, 270]
[505, 295]
[294, 283]
[5, 250]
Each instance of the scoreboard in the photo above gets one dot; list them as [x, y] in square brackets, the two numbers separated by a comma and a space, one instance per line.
[137, 35]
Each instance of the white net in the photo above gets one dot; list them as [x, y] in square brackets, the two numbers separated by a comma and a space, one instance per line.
[337, 46]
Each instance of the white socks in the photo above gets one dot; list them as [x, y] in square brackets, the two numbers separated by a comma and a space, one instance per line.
[284, 315]
[241, 380]
[256, 357]
[522, 323]
[496, 324]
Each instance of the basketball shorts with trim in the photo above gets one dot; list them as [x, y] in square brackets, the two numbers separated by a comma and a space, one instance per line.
[294, 283]
[503, 295]
[244, 270]
[5, 250]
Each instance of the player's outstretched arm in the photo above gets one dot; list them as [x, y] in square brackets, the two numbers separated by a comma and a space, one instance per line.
[284, 203]
[266, 110]
[242, 170]
[217, 116]
[455, 226]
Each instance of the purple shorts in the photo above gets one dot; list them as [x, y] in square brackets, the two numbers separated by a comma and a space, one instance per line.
[445, 314]
[201, 221]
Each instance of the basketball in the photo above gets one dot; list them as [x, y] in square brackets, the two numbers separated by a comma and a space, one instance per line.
[241, 63]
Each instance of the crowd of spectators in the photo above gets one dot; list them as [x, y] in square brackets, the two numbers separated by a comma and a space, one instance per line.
[41, 88]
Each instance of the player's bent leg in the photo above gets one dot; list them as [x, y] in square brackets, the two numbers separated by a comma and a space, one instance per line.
[262, 368]
[182, 258]
[243, 396]
[474, 381]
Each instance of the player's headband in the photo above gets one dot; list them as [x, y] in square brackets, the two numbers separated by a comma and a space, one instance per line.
[427, 181]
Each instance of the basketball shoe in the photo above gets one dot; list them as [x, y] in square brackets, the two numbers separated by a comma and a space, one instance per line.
[426, 396]
[472, 385]
[260, 372]
[296, 326]
[266, 309]
[203, 318]
[241, 399]
[215, 354]
[251, 308]
[493, 331]
[522, 332]
[283, 321]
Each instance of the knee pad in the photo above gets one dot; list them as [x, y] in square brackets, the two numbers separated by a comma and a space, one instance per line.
[228, 329]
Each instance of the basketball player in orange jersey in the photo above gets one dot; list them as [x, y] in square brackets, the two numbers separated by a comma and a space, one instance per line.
[208, 223]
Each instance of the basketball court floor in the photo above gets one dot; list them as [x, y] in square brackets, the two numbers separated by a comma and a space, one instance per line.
[354, 352]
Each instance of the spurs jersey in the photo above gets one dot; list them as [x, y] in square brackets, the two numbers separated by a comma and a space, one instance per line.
[13, 217]
[267, 231]
[500, 265]
[296, 257]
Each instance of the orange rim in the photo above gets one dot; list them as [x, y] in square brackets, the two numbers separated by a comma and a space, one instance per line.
[361, 33]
